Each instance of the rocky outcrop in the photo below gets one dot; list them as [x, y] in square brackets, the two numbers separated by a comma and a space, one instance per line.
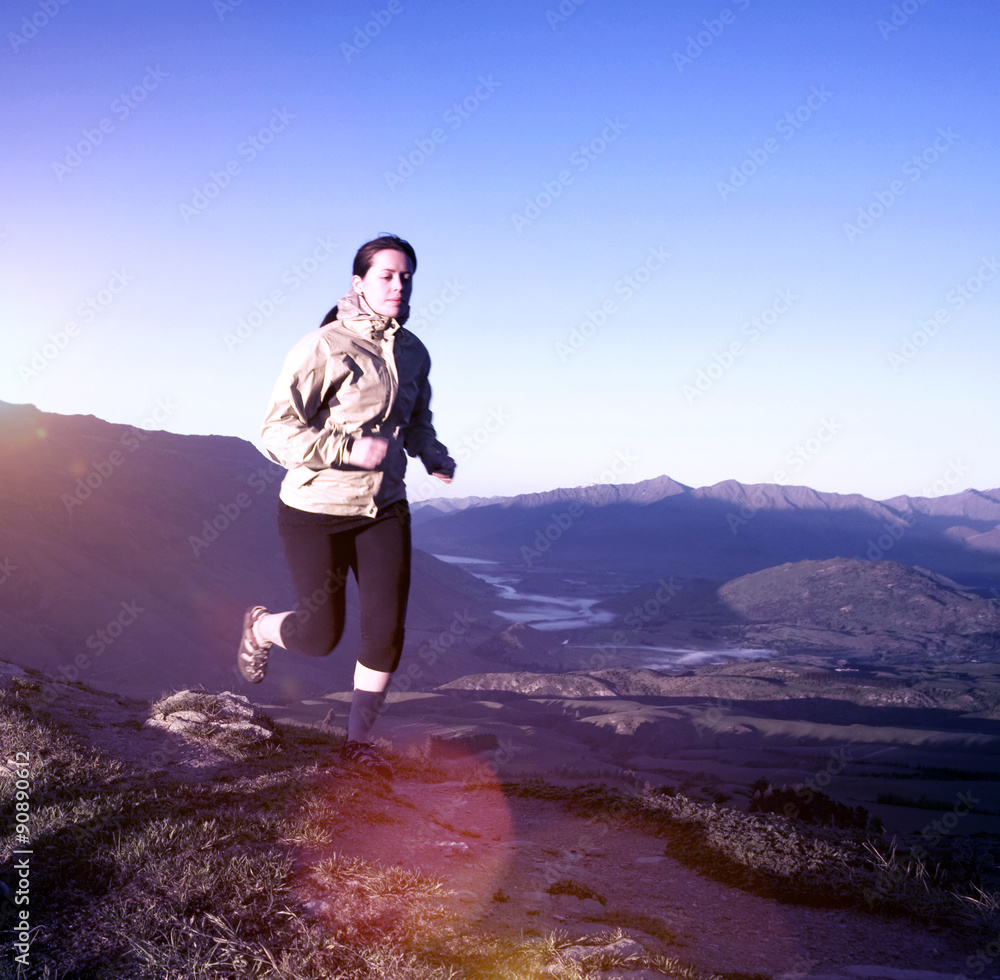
[226, 722]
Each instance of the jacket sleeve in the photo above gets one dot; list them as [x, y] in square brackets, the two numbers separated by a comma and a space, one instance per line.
[419, 437]
[296, 431]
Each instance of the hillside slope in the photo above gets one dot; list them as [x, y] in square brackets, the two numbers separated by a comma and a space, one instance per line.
[859, 596]
[172, 850]
[129, 556]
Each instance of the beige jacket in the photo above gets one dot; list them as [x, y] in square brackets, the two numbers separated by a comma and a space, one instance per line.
[360, 375]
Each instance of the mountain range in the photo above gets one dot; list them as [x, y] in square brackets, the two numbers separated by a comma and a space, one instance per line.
[127, 557]
[660, 526]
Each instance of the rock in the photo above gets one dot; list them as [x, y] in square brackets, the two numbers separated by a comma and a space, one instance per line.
[224, 707]
[621, 949]
[234, 705]
[156, 723]
[185, 719]
[253, 733]
[225, 721]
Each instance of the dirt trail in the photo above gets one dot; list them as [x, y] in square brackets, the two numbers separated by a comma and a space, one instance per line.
[499, 855]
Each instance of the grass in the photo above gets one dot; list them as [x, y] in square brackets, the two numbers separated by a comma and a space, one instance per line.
[642, 923]
[139, 875]
[771, 855]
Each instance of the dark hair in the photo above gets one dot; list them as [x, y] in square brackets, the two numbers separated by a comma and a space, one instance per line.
[364, 256]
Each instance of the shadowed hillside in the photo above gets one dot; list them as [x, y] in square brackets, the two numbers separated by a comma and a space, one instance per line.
[880, 609]
[130, 555]
[841, 594]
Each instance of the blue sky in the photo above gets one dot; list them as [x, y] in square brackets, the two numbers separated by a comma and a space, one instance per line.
[748, 240]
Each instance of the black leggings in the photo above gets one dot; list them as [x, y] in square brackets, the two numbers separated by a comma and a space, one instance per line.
[320, 550]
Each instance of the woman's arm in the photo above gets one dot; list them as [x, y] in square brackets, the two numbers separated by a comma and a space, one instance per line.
[420, 438]
[290, 431]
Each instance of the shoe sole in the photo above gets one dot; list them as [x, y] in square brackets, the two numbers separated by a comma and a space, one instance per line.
[245, 650]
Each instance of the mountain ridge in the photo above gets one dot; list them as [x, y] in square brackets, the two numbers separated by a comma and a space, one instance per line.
[128, 556]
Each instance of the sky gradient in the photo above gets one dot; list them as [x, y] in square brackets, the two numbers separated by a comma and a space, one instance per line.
[751, 240]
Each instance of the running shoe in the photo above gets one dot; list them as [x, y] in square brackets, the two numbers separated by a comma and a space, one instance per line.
[364, 759]
[251, 657]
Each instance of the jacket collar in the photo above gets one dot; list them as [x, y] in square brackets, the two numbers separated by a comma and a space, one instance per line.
[356, 314]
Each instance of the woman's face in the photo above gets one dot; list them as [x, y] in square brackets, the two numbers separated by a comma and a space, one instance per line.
[387, 283]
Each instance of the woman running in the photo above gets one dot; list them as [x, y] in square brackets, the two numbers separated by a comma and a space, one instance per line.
[352, 400]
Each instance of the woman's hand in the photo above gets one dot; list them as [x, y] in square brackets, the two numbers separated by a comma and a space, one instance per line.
[367, 452]
[444, 469]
